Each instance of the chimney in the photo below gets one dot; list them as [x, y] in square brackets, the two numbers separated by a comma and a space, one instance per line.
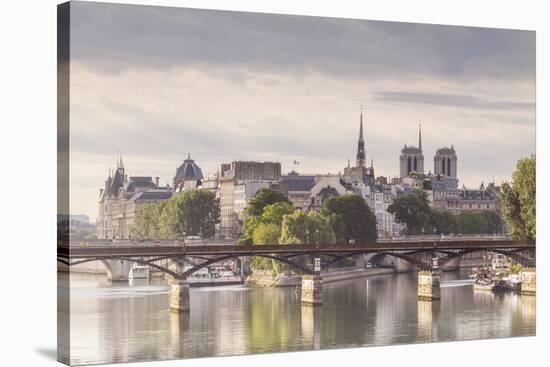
[157, 181]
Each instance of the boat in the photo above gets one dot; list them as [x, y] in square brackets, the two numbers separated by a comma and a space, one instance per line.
[495, 278]
[214, 276]
[139, 272]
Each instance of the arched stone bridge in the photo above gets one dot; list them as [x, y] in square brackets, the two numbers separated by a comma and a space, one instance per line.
[427, 255]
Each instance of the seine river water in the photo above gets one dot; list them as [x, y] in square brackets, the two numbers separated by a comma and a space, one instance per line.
[119, 323]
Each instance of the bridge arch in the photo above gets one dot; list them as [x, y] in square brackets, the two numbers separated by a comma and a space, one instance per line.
[139, 261]
[294, 265]
[165, 269]
[513, 254]
[408, 257]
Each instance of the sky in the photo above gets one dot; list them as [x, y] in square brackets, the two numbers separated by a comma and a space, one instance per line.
[157, 83]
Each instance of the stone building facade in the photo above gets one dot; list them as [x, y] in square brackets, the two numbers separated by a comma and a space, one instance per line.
[120, 200]
[239, 181]
[484, 198]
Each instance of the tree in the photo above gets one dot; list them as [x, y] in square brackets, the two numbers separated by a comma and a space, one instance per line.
[272, 213]
[518, 200]
[194, 212]
[249, 227]
[413, 210]
[267, 234]
[197, 212]
[443, 222]
[352, 219]
[493, 221]
[485, 222]
[471, 223]
[146, 222]
[263, 198]
[306, 227]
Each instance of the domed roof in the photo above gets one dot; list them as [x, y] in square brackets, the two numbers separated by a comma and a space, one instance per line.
[188, 171]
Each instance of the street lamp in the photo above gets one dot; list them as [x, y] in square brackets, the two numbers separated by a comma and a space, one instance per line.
[307, 236]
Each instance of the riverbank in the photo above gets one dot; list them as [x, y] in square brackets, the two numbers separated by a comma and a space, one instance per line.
[267, 279]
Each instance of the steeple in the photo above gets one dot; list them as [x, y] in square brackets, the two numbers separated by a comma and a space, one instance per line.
[360, 159]
[420, 136]
[361, 125]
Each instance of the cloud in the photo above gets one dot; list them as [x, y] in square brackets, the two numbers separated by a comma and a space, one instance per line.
[453, 100]
[114, 37]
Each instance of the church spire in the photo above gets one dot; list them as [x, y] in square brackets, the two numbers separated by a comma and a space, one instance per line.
[360, 161]
[361, 125]
[420, 136]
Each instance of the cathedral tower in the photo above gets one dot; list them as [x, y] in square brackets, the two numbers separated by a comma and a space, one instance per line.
[412, 158]
[445, 162]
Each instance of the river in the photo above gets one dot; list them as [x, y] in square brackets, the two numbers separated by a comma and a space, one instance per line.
[119, 323]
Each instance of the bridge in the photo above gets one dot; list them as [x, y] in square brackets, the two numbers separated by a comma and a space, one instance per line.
[428, 255]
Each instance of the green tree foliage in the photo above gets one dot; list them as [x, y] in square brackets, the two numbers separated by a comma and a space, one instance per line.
[444, 222]
[518, 200]
[198, 212]
[272, 213]
[263, 198]
[194, 212]
[249, 227]
[146, 222]
[306, 227]
[336, 222]
[351, 218]
[413, 210]
[267, 234]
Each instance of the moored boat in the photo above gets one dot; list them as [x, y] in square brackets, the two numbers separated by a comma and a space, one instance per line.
[139, 272]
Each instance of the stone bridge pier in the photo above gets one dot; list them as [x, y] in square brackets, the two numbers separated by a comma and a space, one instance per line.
[118, 270]
[312, 290]
[429, 285]
[528, 282]
[179, 296]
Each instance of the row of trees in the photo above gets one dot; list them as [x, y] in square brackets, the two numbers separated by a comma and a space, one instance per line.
[195, 212]
[273, 220]
[414, 211]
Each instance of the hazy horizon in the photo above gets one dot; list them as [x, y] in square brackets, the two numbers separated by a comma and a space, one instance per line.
[157, 83]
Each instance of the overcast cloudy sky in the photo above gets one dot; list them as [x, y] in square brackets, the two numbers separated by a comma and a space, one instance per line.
[156, 83]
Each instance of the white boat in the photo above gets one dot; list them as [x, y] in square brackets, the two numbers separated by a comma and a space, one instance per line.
[495, 278]
[215, 275]
[139, 272]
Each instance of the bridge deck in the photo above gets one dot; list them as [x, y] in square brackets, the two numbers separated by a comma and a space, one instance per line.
[146, 249]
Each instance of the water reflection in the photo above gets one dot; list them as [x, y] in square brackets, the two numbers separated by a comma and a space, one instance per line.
[119, 323]
[427, 314]
[311, 325]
